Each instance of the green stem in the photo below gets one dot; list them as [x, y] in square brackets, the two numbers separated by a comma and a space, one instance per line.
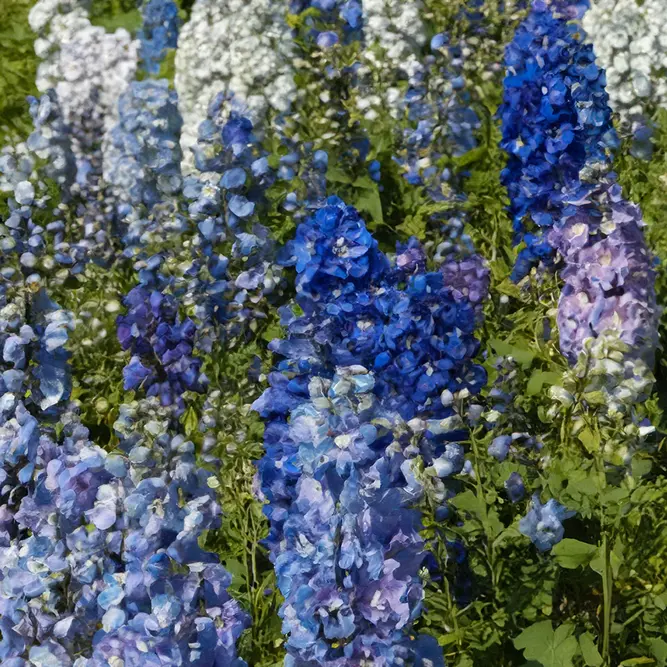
[607, 576]
[452, 607]
[607, 589]
[489, 550]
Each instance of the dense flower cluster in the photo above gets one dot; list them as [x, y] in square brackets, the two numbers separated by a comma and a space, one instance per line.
[394, 480]
[87, 67]
[159, 32]
[161, 344]
[34, 383]
[235, 47]
[348, 566]
[630, 43]
[142, 161]
[97, 567]
[397, 29]
[555, 119]
[227, 200]
[609, 281]
[439, 123]
[414, 334]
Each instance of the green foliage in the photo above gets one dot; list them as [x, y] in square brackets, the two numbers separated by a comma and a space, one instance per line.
[600, 596]
[18, 68]
[548, 647]
[113, 14]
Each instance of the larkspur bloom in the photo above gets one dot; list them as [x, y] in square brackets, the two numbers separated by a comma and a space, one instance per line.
[122, 530]
[52, 239]
[394, 36]
[413, 332]
[87, 67]
[555, 120]
[514, 487]
[630, 43]
[543, 523]
[159, 32]
[396, 28]
[236, 47]
[227, 194]
[142, 161]
[349, 562]
[609, 279]
[438, 122]
[161, 344]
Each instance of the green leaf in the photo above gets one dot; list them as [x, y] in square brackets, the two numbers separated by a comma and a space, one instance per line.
[659, 650]
[467, 502]
[365, 182]
[590, 652]
[539, 378]
[548, 647]
[637, 661]
[589, 440]
[130, 20]
[369, 201]
[570, 553]
[597, 562]
[503, 348]
[336, 175]
[272, 332]
[413, 225]
[472, 156]
[190, 421]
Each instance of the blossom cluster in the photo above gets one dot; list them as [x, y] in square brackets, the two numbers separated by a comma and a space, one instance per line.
[630, 43]
[235, 47]
[608, 274]
[398, 333]
[439, 123]
[227, 195]
[161, 345]
[394, 36]
[349, 562]
[159, 32]
[104, 562]
[87, 67]
[142, 160]
[555, 120]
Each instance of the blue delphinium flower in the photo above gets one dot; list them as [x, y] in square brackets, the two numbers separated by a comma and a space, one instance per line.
[106, 562]
[514, 487]
[161, 343]
[500, 447]
[555, 120]
[227, 196]
[143, 159]
[405, 336]
[412, 328]
[439, 121]
[349, 562]
[543, 523]
[158, 33]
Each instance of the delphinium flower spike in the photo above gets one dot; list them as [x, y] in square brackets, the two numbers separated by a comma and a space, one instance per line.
[159, 32]
[555, 119]
[391, 326]
[629, 42]
[235, 47]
